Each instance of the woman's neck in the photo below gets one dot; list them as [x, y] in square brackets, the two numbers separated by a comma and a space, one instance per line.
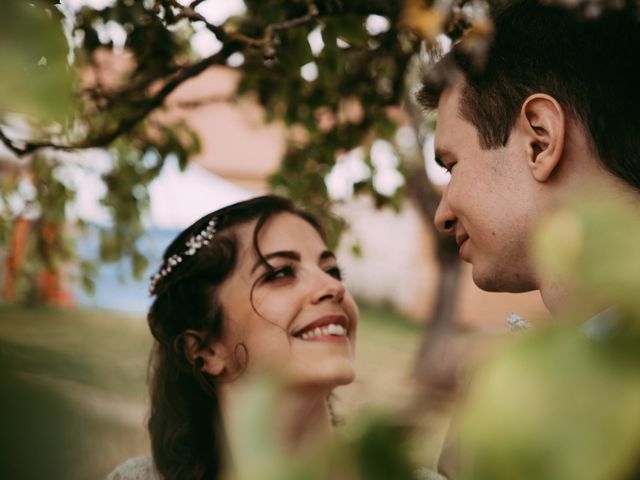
[303, 417]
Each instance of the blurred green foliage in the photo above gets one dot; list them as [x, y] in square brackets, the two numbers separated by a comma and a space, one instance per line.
[593, 245]
[373, 446]
[556, 405]
[563, 402]
[35, 76]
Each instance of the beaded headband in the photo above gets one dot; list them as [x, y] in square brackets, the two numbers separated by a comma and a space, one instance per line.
[193, 244]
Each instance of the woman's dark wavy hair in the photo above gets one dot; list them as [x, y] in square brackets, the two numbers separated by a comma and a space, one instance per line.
[185, 423]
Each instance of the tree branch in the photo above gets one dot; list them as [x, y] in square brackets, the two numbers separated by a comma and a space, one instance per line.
[107, 98]
[21, 149]
[265, 42]
[200, 102]
[312, 12]
[126, 124]
[17, 150]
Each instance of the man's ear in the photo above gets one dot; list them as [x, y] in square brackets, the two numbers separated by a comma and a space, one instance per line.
[543, 121]
[209, 356]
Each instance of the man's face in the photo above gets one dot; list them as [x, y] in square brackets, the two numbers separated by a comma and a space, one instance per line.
[490, 202]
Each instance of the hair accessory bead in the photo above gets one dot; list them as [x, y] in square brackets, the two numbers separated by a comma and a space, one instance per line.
[193, 244]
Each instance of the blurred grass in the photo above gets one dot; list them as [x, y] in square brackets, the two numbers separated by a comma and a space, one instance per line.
[73, 392]
[386, 350]
[96, 349]
[77, 385]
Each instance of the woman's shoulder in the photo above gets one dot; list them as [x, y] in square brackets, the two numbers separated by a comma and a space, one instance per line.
[138, 468]
[426, 474]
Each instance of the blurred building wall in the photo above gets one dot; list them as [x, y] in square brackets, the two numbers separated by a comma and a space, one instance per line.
[237, 144]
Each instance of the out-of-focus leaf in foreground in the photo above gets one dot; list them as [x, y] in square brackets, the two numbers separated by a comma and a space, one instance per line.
[594, 245]
[35, 76]
[371, 447]
[557, 405]
[563, 402]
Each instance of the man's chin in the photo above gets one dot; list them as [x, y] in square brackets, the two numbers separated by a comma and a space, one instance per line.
[501, 282]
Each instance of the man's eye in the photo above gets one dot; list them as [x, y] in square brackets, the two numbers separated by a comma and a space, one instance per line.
[278, 273]
[449, 168]
[335, 272]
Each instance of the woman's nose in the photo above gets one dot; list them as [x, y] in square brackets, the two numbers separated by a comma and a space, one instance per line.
[445, 219]
[328, 288]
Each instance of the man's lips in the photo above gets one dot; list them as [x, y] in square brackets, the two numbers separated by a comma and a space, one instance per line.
[328, 325]
[461, 238]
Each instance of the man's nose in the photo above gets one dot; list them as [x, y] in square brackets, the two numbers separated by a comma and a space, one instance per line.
[445, 219]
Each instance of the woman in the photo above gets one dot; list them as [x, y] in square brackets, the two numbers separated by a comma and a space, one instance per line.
[249, 288]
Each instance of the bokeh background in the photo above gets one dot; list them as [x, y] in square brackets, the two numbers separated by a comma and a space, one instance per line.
[123, 122]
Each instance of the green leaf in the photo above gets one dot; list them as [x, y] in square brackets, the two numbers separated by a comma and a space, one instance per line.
[139, 264]
[382, 452]
[555, 405]
[386, 127]
[585, 245]
[88, 285]
[352, 30]
[35, 76]
[294, 50]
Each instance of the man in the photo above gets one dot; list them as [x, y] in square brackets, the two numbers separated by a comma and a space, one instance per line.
[551, 111]
[554, 110]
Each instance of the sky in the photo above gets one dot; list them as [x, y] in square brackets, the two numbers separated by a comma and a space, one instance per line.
[177, 198]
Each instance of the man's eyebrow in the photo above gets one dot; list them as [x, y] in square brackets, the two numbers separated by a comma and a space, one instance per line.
[290, 254]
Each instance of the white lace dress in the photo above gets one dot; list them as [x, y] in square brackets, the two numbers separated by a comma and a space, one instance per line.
[138, 468]
[142, 468]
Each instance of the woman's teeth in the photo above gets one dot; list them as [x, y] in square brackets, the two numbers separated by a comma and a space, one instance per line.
[331, 329]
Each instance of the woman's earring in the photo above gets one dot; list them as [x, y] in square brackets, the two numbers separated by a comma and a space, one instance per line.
[199, 363]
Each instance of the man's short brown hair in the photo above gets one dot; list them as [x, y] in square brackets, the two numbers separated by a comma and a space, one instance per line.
[591, 66]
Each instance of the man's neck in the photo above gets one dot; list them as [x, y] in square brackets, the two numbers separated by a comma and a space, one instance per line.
[592, 180]
[556, 295]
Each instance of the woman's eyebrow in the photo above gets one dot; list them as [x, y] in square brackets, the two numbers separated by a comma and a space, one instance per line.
[290, 254]
[327, 254]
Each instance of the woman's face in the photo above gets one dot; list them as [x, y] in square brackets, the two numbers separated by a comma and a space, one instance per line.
[299, 320]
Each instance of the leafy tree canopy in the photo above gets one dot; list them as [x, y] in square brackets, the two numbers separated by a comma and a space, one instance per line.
[344, 95]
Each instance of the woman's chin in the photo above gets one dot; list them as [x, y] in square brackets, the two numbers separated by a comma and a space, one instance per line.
[324, 379]
[345, 378]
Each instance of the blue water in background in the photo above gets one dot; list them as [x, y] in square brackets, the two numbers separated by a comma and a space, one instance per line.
[116, 289]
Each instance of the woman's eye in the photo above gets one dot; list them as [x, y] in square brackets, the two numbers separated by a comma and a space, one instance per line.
[335, 272]
[278, 273]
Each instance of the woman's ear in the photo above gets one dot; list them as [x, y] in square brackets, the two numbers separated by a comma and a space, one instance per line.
[209, 356]
[543, 120]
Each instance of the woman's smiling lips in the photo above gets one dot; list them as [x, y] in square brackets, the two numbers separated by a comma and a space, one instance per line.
[327, 328]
